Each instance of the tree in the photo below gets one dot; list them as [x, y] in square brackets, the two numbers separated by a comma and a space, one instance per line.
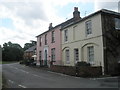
[12, 52]
[28, 45]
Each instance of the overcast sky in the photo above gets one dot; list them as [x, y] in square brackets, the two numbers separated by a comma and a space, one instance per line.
[22, 20]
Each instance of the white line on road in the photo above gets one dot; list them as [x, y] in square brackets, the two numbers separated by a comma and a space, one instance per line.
[103, 78]
[22, 86]
[19, 69]
[16, 68]
[24, 71]
[35, 75]
[18, 85]
[107, 78]
[60, 74]
[43, 77]
[11, 81]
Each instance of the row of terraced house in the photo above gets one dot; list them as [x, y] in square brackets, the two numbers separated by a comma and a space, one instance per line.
[93, 39]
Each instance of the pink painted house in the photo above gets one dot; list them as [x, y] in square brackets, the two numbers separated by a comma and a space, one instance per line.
[49, 42]
[48, 46]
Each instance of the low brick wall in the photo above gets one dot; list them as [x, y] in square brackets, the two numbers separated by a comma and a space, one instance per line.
[82, 71]
[88, 71]
[69, 70]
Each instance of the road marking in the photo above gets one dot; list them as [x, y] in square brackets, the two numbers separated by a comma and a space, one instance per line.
[43, 77]
[16, 68]
[11, 81]
[24, 71]
[22, 86]
[59, 74]
[18, 85]
[21, 70]
[103, 78]
[35, 75]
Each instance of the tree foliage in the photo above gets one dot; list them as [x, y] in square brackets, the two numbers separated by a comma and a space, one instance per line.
[28, 45]
[12, 52]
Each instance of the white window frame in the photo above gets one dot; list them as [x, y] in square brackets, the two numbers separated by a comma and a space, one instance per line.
[53, 36]
[53, 54]
[40, 55]
[117, 23]
[40, 41]
[88, 25]
[90, 50]
[76, 55]
[74, 30]
[67, 56]
[66, 35]
[45, 39]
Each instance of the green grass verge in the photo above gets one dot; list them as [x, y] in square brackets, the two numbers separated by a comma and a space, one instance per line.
[7, 62]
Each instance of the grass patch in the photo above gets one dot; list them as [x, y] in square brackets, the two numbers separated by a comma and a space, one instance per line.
[8, 62]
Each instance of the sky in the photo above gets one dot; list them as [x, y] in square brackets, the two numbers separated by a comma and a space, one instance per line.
[22, 20]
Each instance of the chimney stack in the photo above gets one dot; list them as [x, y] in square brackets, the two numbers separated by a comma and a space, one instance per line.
[76, 13]
[50, 26]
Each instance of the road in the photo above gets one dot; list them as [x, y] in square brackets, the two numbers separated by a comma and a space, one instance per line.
[20, 76]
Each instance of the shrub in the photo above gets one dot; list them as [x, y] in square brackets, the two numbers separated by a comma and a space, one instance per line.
[21, 62]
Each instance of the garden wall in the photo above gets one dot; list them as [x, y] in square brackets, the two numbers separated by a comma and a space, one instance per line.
[82, 71]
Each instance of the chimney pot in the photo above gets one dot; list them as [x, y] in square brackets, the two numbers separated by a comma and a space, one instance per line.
[76, 13]
[75, 8]
[50, 26]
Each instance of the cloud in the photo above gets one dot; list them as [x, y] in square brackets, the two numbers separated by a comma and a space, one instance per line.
[27, 11]
[32, 17]
[106, 4]
[28, 18]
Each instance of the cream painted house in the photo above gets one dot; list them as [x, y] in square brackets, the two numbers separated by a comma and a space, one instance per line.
[85, 41]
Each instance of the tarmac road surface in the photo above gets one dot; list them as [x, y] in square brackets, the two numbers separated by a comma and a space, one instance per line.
[21, 76]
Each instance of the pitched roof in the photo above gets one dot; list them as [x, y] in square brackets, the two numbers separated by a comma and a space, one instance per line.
[73, 21]
[61, 24]
[100, 11]
[31, 49]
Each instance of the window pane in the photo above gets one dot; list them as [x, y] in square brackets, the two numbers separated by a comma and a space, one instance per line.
[40, 55]
[53, 36]
[53, 54]
[66, 35]
[40, 41]
[117, 23]
[46, 39]
[76, 55]
[91, 54]
[88, 27]
[67, 56]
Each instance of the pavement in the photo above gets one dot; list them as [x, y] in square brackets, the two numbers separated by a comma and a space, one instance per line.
[21, 76]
